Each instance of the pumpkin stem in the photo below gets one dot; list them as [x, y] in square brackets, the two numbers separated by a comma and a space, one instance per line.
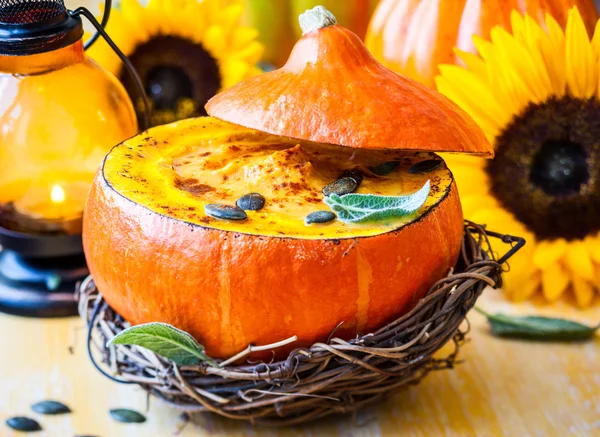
[316, 18]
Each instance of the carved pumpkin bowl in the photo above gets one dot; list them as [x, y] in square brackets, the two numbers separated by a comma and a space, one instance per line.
[309, 216]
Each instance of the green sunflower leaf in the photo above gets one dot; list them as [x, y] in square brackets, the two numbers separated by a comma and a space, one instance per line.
[538, 328]
[164, 340]
[355, 208]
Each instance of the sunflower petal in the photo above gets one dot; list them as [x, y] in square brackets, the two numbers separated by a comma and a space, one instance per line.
[596, 40]
[197, 19]
[234, 70]
[545, 56]
[214, 40]
[461, 97]
[530, 80]
[230, 17]
[548, 253]
[473, 62]
[508, 89]
[470, 204]
[471, 180]
[251, 53]
[592, 243]
[242, 36]
[578, 260]
[468, 87]
[525, 288]
[554, 282]
[553, 51]
[154, 17]
[131, 10]
[517, 24]
[582, 77]
[584, 292]
[524, 53]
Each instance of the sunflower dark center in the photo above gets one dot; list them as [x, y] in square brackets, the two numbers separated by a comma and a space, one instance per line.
[547, 168]
[179, 76]
[560, 168]
[166, 85]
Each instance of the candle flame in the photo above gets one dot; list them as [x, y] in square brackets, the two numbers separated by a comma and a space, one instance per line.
[57, 195]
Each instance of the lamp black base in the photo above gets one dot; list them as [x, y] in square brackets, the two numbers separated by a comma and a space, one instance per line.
[40, 287]
[39, 273]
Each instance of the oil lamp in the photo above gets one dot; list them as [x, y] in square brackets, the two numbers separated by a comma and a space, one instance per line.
[59, 115]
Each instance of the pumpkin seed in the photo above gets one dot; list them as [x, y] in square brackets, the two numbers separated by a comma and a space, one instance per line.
[25, 424]
[127, 416]
[341, 186]
[425, 166]
[354, 174]
[50, 407]
[251, 202]
[385, 168]
[225, 212]
[319, 217]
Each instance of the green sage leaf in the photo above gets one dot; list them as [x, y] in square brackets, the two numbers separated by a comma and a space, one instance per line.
[127, 416]
[24, 424]
[538, 328]
[355, 208]
[50, 407]
[165, 340]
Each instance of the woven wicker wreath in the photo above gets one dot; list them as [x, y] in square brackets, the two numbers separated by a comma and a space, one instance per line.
[337, 376]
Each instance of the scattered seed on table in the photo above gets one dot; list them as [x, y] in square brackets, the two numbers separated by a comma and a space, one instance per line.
[127, 416]
[50, 407]
[25, 424]
[426, 166]
[341, 186]
[385, 168]
[251, 202]
[319, 217]
[225, 212]
[354, 174]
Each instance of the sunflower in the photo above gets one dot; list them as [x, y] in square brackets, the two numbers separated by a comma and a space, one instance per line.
[185, 51]
[536, 94]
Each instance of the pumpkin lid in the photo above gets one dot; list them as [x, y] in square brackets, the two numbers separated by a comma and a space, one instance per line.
[331, 90]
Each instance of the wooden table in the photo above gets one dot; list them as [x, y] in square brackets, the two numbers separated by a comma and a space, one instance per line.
[504, 388]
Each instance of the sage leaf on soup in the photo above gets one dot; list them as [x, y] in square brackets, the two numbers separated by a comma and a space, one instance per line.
[356, 208]
[164, 340]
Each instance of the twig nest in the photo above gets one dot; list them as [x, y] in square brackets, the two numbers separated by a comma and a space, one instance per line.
[336, 376]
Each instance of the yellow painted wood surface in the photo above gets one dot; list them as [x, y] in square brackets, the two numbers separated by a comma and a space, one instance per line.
[504, 388]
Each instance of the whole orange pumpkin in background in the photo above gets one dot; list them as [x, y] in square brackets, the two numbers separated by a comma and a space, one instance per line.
[156, 257]
[413, 37]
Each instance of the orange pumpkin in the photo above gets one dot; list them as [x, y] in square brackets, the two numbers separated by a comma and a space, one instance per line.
[413, 37]
[156, 257]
